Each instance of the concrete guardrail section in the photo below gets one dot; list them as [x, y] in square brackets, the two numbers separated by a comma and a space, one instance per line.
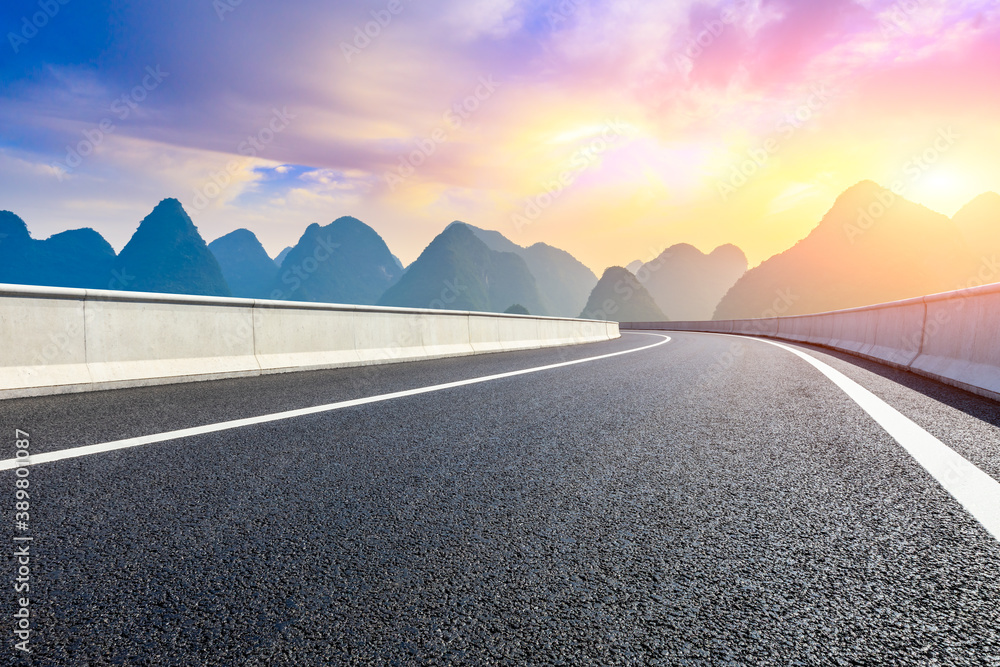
[953, 337]
[56, 340]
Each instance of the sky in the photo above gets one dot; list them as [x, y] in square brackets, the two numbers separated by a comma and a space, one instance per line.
[612, 129]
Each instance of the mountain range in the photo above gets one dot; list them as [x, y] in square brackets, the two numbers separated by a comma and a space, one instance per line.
[343, 262]
[872, 246]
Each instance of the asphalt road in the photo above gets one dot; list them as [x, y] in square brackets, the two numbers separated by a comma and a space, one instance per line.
[708, 501]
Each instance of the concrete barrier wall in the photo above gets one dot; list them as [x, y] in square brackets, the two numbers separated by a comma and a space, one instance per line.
[952, 337]
[42, 339]
[961, 340]
[55, 340]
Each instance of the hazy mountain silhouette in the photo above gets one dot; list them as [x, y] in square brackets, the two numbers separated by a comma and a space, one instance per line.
[979, 223]
[687, 283]
[619, 297]
[19, 254]
[633, 267]
[343, 262]
[280, 258]
[79, 258]
[76, 258]
[564, 283]
[458, 271]
[167, 254]
[245, 265]
[871, 247]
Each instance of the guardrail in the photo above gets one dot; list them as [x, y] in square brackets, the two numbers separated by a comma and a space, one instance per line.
[953, 337]
[56, 340]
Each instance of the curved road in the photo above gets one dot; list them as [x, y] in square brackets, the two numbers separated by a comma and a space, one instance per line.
[710, 500]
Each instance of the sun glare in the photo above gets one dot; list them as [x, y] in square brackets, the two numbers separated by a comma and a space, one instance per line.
[944, 189]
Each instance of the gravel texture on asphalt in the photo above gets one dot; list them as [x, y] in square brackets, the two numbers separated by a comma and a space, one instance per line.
[696, 503]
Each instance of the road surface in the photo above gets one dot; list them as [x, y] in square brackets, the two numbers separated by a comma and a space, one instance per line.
[703, 500]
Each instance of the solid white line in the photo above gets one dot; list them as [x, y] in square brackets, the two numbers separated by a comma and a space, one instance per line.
[75, 452]
[976, 491]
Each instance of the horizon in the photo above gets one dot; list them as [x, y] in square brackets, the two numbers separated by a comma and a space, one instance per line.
[637, 119]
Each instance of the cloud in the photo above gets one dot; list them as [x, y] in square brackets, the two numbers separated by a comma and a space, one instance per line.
[490, 18]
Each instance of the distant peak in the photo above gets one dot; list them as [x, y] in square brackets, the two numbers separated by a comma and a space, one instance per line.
[458, 227]
[613, 272]
[682, 248]
[728, 249]
[169, 204]
[866, 185]
[350, 220]
[863, 190]
[241, 235]
[12, 225]
[985, 200]
[81, 233]
[863, 195]
[168, 213]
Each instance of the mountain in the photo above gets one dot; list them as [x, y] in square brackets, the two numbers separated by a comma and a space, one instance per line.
[979, 223]
[280, 258]
[688, 284]
[19, 254]
[343, 262]
[76, 258]
[248, 270]
[458, 271]
[79, 258]
[634, 267]
[619, 297]
[20, 261]
[563, 282]
[872, 246]
[167, 254]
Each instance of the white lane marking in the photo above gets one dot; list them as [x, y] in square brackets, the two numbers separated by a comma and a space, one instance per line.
[976, 491]
[75, 452]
